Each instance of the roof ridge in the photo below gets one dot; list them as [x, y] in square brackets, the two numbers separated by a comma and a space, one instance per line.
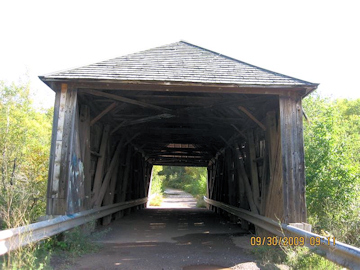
[242, 62]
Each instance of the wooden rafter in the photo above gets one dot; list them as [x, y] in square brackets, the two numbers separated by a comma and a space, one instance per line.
[142, 120]
[104, 112]
[126, 100]
[252, 117]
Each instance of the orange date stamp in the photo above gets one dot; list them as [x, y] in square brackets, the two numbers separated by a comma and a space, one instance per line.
[291, 241]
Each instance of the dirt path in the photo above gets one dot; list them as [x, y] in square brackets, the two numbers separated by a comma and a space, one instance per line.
[175, 198]
[173, 236]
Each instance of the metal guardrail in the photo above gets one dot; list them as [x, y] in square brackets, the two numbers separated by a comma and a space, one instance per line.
[15, 238]
[340, 253]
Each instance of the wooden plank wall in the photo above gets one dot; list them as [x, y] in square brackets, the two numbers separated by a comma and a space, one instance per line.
[88, 167]
[250, 174]
[293, 173]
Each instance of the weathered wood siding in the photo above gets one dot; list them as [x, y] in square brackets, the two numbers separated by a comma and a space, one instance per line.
[89, 167]
[267, 165]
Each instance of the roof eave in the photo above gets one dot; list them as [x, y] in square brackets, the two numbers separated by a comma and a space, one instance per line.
[166, 85]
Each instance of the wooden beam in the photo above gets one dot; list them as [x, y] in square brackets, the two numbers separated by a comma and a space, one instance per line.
[142, 120]
[132, 138]
[100, 164]
[202, 101]
[293, 167]
[182, 164]
[125, 179]
[184, 153]
[228, 144]
[62, 147]
[110, 194]
[168, 86]
[76, 180]
[183, 118]
[109, 174]
[253, 169]
[245, 180]
[126, 100]
[104, 112]
[225, 141]
[244, 204]
[274, 206]
[239, 131]
[252, 117]
[84, 127]
[55, 152]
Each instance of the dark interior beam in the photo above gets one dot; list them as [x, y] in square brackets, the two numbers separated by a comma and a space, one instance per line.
[126, 100]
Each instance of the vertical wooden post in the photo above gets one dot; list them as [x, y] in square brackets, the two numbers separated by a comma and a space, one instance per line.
[84, 127]
[76, 185]
[292, 146]
[55, 153]
[274, 207]
[108, 176]
[100, 164]
[245, 180]
[125, 180]
[110, 192]
[61, 150]
[240, 186]
[253, 169]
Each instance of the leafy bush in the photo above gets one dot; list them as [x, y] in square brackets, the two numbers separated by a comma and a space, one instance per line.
[298, 257]
[25, 134]
[332, 156]
[156, 188]
[190, 179]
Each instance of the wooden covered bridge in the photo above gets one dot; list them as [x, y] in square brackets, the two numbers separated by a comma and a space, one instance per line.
[179, 105]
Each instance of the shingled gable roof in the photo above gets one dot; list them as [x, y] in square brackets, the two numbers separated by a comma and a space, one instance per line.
[178, 62]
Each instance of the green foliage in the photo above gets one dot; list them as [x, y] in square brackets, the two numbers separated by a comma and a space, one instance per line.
[298, 257]
[157, 181]
[332, 156]
[29, 257]
[25, 134]
[157, 188]
[75, 242]
[190, 179]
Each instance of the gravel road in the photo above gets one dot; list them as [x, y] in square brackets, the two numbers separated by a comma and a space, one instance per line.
[174, 236]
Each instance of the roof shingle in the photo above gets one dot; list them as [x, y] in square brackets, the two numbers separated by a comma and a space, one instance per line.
[178, 62]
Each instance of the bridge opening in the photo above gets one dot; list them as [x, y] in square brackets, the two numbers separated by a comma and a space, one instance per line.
[178, 187]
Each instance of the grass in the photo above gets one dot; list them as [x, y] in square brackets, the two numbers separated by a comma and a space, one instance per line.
[301, 258]
[59, 250]
[200, 203]
[156, 200]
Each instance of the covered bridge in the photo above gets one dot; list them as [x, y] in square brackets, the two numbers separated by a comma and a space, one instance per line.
[180, 105]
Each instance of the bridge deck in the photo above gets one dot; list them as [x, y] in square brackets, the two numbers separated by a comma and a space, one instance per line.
[171, 239]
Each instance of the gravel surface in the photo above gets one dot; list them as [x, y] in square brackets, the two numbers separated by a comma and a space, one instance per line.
[173, 236]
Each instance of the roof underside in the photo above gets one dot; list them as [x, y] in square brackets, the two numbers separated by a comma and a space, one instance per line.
[184, 129]
[178, 104]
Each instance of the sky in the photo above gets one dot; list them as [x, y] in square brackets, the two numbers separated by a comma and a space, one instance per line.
[316, 41]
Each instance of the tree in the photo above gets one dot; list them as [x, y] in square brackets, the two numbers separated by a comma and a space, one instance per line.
[25, 134]
[331, 139]
[189, 179]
